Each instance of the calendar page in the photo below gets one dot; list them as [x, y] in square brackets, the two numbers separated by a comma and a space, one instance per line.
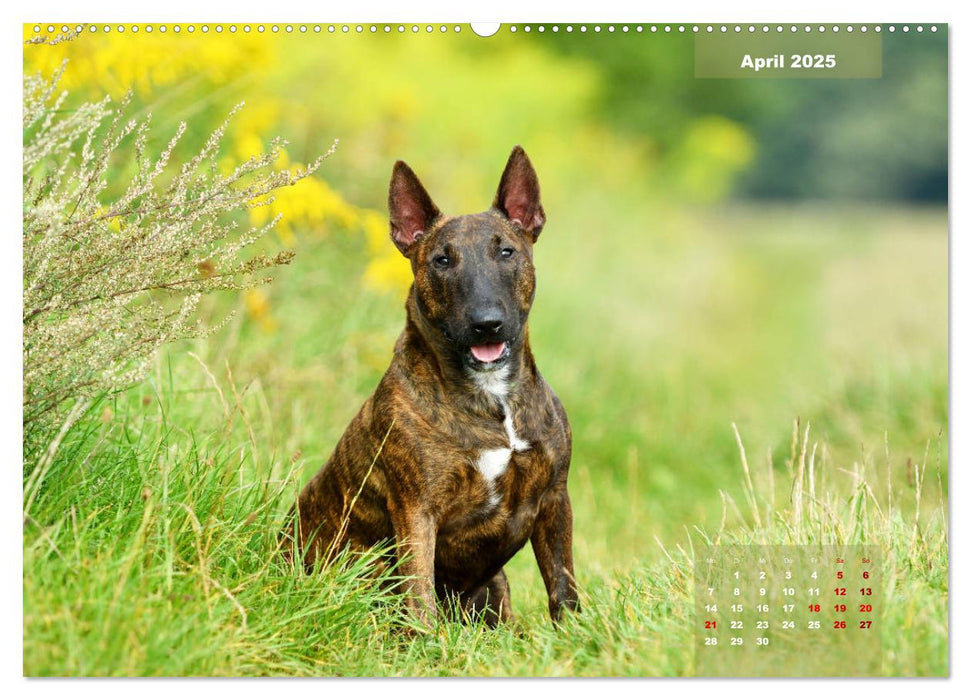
[358, 346]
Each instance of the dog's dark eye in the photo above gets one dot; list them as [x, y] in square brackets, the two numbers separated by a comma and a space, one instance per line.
[506, 253]
[442, 261]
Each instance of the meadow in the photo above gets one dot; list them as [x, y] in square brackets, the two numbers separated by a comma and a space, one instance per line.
[817, 330]
[150, 548]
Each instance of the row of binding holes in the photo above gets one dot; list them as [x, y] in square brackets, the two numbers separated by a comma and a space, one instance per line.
[259, 28]
[428, 28]
[712, 29]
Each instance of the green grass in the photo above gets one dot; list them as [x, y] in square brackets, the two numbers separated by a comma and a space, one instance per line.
[149, 543]
[147, 555]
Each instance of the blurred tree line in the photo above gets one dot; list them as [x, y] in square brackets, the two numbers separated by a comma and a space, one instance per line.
[881, 139]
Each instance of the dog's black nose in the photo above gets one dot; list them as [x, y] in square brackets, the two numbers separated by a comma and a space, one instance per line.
[487, 322]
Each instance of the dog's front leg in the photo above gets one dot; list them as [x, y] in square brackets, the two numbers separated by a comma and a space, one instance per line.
[415, 541]
[552, 541]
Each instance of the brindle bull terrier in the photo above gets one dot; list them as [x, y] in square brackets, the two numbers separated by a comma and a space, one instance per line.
[461, 454]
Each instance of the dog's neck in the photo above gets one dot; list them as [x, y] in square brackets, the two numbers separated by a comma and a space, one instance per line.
[432, 356]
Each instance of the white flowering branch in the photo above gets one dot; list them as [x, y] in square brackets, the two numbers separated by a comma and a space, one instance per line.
[118, 248]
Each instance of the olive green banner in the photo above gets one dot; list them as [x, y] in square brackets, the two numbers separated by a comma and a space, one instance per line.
[789, 55]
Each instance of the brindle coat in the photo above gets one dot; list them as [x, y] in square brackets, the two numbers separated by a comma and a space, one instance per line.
[428, 445]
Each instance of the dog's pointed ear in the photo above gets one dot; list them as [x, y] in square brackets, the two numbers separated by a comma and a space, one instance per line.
[412, 210]
[518, 194]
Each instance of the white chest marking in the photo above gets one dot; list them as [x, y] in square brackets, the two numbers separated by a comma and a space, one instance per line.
[514, 442]
[493, 463]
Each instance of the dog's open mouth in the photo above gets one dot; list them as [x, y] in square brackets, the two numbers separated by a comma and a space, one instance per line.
[488, 355]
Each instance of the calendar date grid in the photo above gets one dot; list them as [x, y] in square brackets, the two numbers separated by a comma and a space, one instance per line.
[787, 610]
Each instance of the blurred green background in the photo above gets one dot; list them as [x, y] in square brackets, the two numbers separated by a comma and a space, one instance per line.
[718, 251]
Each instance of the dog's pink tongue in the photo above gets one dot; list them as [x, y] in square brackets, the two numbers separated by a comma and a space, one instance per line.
[490, 352]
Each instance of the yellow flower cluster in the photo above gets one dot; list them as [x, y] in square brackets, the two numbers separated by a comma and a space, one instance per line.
[251, 129]
[313, 205]
[319, 210]
[310, 204]
[114, 62]
[388, 271]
